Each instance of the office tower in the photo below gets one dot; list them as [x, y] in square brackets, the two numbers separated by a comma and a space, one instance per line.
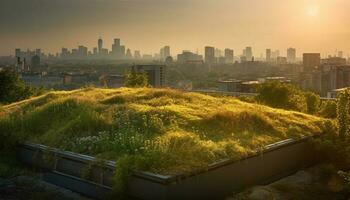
[229, 54]
[122, 51]
[116, 48]
[311, 61]
[18, 53]
[156, 74]
[268, 55]
[117, 42]
[100, 45]
[82, 51]
[164, 52]
[209, 55]
[291, 55]
[249, 53]
[128, 54]
[137, 55]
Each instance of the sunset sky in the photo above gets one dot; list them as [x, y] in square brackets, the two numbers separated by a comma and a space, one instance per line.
[146, 25]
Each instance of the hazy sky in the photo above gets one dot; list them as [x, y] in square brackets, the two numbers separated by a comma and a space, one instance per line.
[146, 25]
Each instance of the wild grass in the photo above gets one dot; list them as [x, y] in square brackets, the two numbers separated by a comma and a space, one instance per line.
[159, 130]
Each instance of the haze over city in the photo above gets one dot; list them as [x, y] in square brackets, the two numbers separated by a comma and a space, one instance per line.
[147, 25]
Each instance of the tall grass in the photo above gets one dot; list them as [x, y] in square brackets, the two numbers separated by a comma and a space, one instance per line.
[159, 130]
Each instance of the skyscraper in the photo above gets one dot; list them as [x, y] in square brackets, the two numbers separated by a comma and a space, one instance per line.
[229, 54]
[209, 55]
[311, 61]
[249, 53]
[100, 45]
[128, 54]
[164, 52]
[137, 54]
[291, 55]
[268, 55]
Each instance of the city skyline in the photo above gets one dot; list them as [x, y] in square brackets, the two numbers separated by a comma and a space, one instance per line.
[149, 25]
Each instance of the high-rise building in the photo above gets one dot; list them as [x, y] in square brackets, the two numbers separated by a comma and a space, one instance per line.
[82, 51]
[268, 55]
[164, 52]
[156, 74]
[229, 56]
[128, 54]
[100, 45]
[311, 61]
[209, 55]
[18, 53]
[249, 53]
[137, 55]
[291, 55]
[122, 51]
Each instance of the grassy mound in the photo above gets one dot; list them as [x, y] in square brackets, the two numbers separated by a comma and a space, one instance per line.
[159, 130]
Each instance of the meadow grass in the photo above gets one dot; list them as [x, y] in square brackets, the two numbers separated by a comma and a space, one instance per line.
[159, 130]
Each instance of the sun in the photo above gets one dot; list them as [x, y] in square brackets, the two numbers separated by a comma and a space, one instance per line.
[313, 11]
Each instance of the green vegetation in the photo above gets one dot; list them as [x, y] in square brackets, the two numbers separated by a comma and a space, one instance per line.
[159, 130]
[133, 79]
[13, 89]
[288, 96]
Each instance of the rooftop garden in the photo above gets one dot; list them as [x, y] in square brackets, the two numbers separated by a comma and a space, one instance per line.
[158, 130]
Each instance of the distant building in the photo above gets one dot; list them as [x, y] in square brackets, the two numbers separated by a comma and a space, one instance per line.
[311, 61]
[333, 61]
[210, 55]
[100, 45]
[35, 61]
[188, 56]
[291, 55]
[249, 53]
[281, 60]
[238, 86]
[112, 81]
[128, 54]
[137, 55]
[70, 78]
[156, 74]
[268, 55]
[229, 56]
[164, 52]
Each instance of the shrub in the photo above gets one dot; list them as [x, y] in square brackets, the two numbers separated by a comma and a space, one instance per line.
[312, 102]
[281, 95]
[328, 109]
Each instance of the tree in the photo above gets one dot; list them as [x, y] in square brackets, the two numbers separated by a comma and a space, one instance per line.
[281, 95]
[134, 79]
[312, 102]
[12, 87]
[343, 111]
[329, 109]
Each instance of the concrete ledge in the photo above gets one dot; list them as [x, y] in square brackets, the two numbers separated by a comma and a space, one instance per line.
[219, 180]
